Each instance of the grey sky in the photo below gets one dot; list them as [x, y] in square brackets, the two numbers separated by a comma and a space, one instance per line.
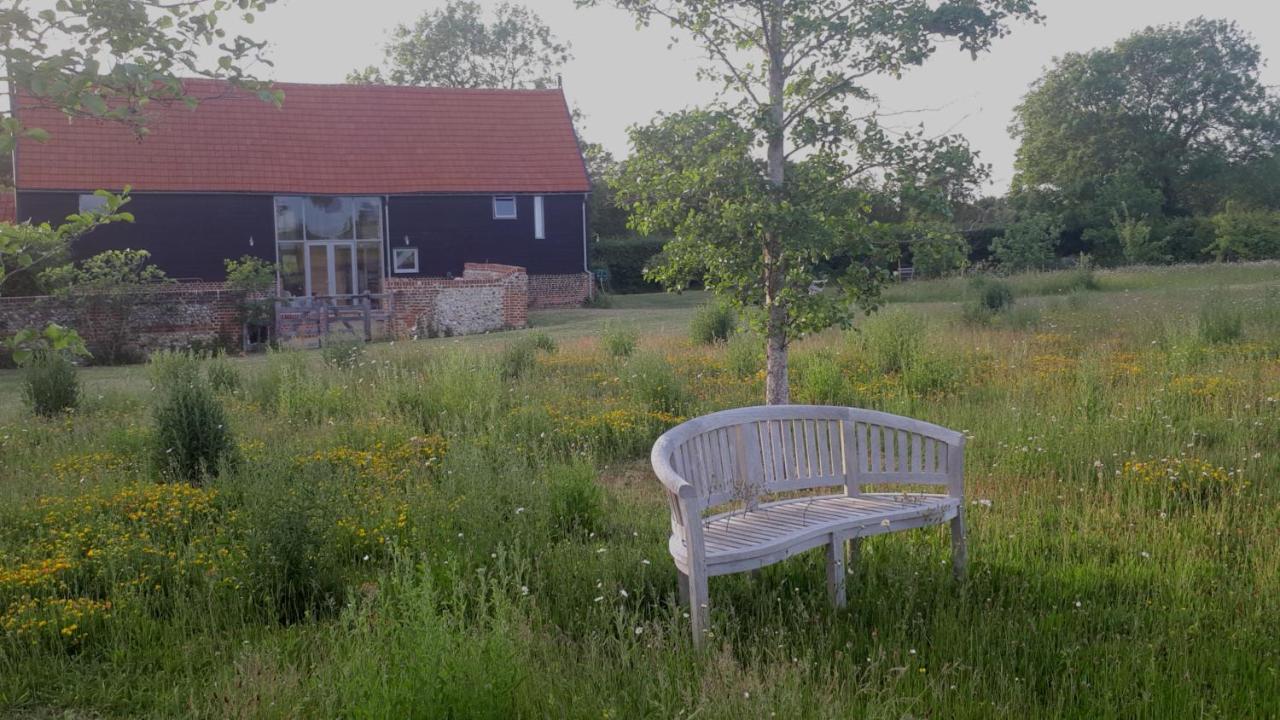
[622, 76]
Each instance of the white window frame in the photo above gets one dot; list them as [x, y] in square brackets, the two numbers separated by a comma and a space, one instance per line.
[395, 260]
[539, 218]
[515, 207]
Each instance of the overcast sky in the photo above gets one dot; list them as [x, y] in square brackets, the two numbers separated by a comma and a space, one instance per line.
[621, 75]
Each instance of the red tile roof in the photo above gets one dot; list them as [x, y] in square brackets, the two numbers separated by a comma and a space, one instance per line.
[326, 139]
[8, 206]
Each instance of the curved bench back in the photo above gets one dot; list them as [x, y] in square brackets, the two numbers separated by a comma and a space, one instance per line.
[743, 454]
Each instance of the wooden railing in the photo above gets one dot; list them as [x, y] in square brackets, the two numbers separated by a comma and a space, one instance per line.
[349, 313]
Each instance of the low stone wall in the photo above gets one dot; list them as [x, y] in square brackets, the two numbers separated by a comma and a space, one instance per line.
[200, 315]
[557, 291]
[487, 297]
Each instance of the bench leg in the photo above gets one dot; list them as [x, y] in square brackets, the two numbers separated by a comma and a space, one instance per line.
[959, 550]
[699, 608]
[835, 571]
[684, 588]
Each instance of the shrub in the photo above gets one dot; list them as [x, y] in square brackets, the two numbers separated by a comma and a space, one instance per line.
[599, 300]
[223, 376]
[1137, 243]
[714, 322]
[171, 368]
[1244, 234]
[577, 502]
[933, 373]
[626, 258]
[937, 250]
[744, 355]
[817, 379]
[1220, 321]
[544, 342]
[1028, 244]
[191, 438]
[50, 385]
[619, 340]
[992, 294]
[344, 354]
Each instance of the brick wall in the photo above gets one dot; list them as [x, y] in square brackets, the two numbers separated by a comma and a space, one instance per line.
[176, 316]
[554, 291]
[487, 297]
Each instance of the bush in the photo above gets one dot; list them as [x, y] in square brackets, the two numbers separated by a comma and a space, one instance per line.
[933, 373]
[344, 354]
[1220, 321]
[625, 258]
[50, 385]
[191, 438]
[223, 376]
[714, 322]
[744, 355]
[599, 300]
[993, 295]
[1244, 234]
[619, 340]
[544, 342]
[817, 379]
[171, 368]
[1028, 244]
[518, 357]
[577, 502]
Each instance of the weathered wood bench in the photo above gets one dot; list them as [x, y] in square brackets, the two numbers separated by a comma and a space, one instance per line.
[736, 482]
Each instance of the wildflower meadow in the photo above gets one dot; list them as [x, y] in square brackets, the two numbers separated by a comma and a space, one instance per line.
[469, 528]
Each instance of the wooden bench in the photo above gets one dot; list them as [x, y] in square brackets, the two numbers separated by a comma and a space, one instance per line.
[740, 485]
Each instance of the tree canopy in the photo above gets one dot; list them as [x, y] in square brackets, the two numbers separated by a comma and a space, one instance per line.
[761, 230]
[1168, 121]
[457, 47]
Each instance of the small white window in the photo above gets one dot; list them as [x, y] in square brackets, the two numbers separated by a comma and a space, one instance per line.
[405, 260]
[504, 208]
[92, 203]
[539, 219]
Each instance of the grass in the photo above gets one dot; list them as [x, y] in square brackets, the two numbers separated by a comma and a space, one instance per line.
[423, 532]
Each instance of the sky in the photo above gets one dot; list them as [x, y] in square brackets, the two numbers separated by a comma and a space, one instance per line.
[621, 76]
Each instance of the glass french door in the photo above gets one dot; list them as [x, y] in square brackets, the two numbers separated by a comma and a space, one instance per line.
[331, 272]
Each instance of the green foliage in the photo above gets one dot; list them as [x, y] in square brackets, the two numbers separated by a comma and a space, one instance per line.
[1166, 121]
[653, 383]
[818, 379]
[170, 368]
[29, 345]
[1028, 244]
[1221, 321]
[456, 47]
[1246, 234]
[50, 384]
[744, 355]
[256, 278]
[518, 357]
[712, 323]
[1136, 241]
[892, 340]
[577, 502]
[599, 300]
[27, 250]
[191, 437]
[619, 340]
[937, 250]
[544, 342]
[343, 353]
[993, 294]
[222, 374]
[626, 258]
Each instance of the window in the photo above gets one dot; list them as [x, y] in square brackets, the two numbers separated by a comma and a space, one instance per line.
[539, 219]
[329, 218]
[92, 203]
[405, 260]
[504, 208]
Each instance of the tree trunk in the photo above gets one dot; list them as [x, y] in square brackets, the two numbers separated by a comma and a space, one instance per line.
[777, 386]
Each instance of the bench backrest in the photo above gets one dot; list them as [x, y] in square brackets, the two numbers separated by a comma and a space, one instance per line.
[741, 455]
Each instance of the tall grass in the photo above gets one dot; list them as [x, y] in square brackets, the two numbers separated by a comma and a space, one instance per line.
[424, 533]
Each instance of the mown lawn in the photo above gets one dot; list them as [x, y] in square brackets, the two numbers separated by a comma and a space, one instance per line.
[467, 527]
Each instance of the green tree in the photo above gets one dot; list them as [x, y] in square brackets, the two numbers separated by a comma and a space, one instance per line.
[762, 231]
[457, 47]
[1246, 234]
[72, 56]
[1159, 123]
[107, 286]
[1028, 244]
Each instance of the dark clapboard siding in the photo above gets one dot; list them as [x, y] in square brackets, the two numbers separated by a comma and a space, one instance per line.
[450, 230]
[188, 236]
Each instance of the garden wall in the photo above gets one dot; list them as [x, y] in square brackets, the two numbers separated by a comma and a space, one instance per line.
[178, 316]
[487, 297]
[556, 291]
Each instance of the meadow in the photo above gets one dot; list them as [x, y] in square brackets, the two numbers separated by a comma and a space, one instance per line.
[468, 527]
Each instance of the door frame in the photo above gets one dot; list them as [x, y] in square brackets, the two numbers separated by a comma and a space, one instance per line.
[331, 268]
